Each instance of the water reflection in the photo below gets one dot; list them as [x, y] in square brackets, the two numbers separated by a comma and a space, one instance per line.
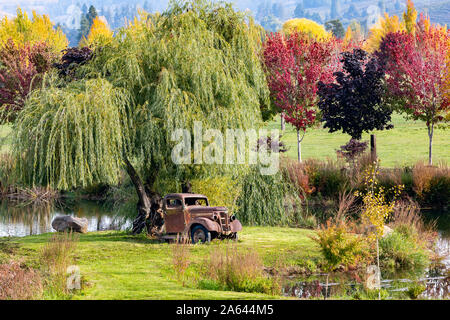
[19, 220]
[436, 282]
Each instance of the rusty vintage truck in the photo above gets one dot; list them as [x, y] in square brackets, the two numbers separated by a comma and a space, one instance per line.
[189, 215]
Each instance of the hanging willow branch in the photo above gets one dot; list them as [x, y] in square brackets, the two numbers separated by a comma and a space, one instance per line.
[74, 136]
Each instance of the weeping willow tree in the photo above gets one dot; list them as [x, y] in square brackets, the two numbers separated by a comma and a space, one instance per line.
[195, 62]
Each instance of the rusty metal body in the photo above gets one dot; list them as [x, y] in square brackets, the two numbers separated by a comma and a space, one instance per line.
[184, 211]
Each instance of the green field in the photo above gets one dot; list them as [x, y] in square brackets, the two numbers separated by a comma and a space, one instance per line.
[116, 265]
[406, 144]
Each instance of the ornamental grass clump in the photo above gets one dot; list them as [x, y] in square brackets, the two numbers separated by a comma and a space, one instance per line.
[55, 258]
[238, 270]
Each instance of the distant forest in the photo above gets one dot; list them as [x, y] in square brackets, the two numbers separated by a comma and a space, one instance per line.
[75, 17]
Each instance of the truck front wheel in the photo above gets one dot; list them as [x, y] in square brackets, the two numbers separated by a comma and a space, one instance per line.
[200, 234]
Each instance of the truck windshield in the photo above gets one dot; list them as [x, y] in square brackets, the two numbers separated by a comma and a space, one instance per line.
[196, 202]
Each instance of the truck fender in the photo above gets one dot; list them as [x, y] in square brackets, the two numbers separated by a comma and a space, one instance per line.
[236, 226]
[207, 223]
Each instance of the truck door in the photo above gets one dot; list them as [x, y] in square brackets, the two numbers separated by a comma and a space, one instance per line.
[174, 215]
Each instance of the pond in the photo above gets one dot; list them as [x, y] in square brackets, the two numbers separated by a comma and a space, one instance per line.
[20, 220]
[435, 280]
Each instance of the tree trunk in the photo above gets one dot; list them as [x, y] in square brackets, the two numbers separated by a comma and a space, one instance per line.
[186, 187]
[430, 147]
[373, 148]
[299, 146]
[144, 203]
[283, 122]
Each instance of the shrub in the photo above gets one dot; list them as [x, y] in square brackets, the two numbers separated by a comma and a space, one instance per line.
[221, 190]
[400, 251]
[415, 290]
[432, 184]
[328, 178]
[17, 283]
[437, 195]
[352, 149]
[267, 200]
[407, 219]
[340, 247]
[238, 270]
[296, 173]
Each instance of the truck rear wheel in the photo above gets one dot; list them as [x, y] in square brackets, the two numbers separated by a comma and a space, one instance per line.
[200, 234]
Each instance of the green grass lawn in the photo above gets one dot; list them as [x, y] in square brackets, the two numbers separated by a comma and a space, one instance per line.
[120, 266]
[406, 144]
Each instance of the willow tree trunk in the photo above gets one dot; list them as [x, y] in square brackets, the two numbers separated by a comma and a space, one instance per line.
[144, 204]
[186, 187]
[283, 122]
[430, 147]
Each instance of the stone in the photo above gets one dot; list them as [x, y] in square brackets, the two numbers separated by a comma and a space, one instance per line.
[68, 223]
[387, 231]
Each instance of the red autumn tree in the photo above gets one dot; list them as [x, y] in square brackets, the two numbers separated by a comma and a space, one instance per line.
[295, 64]
[21, 68]
[416, 71]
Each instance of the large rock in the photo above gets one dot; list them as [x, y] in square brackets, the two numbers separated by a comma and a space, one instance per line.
[68, 223]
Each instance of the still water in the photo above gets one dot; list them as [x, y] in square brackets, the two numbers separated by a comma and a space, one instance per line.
[17, 220]
[435, 280]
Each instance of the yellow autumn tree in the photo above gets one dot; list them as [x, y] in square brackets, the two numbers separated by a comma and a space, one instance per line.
[22, 30]
[100, 34]
[410, 17]
[380, 29]
[309, 27]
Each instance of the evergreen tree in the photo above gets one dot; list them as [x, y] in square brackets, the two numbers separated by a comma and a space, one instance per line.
[335, 26]
[86, 22]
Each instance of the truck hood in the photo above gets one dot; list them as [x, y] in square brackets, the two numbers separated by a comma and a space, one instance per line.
[203, 209]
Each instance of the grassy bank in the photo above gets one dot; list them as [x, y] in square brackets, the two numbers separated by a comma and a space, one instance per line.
[404, 145]
[115, 265]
